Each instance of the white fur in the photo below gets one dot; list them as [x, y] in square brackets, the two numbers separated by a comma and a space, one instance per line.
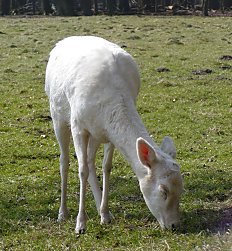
[92, 86]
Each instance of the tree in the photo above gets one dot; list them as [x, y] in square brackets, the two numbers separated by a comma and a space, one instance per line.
[46, 6]
[5, 6]
[64, 8]
[155, 5]
[96, 6]
[86, 7]
[33, 6]
[205, 7]
[111, 5]
[222, 6]
[124, 5]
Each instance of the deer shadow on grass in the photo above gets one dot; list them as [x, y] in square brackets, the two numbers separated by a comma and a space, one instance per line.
[194, 221]
[210, 221]
[207, 220]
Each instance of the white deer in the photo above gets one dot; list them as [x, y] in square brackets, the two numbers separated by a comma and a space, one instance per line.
[92, 85]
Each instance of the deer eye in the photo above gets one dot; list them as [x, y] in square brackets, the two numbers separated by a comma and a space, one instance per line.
[163, 191]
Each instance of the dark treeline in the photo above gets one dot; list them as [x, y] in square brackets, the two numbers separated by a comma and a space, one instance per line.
[111, 7]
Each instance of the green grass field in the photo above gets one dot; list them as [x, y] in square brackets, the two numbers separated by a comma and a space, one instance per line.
[188, 102]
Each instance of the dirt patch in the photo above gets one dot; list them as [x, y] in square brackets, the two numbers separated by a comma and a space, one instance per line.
[224, 224]
[226, 67]
[226, 57]
[202, 72]
[162, 69]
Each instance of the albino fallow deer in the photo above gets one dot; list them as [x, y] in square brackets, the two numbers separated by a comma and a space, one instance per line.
[92, 85]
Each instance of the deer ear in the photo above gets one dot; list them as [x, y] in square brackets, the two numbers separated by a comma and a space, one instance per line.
[145, 152]
[168, 147]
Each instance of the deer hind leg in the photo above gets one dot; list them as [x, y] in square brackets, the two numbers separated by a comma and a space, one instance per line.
[107, 166]
[80, 139]
[93, 181]
[62, 132]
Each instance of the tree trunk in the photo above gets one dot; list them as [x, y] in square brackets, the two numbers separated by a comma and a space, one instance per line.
[46, 7]
[140, 5]
[13, 4]
[205, 7]
[64, 8]
[124, 5]
[96, 6]
[192, 3]
[86, 7]
[104, 5]
[155, 2]
[147, 4]
[33, 6]
[5, 7]
[222, 6]
[111, 5]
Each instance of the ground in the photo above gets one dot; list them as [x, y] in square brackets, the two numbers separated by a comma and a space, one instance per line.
[186, 93]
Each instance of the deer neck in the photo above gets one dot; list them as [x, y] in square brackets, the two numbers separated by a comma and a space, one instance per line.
[125, 127]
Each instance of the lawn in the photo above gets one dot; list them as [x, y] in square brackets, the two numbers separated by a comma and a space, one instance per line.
[186, 71]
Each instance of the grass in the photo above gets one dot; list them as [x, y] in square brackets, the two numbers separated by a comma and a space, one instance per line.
[194, 108]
